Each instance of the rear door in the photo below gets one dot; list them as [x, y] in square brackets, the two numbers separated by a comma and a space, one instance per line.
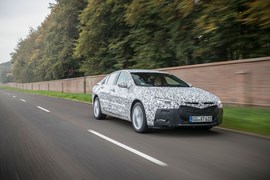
[105, 91]
[108, 88]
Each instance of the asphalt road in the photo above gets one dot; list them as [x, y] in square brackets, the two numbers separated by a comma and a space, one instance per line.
[49, 138]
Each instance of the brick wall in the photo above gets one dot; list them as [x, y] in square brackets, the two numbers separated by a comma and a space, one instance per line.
[236, 82]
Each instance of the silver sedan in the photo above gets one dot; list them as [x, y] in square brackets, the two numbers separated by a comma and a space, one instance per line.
[154, 99]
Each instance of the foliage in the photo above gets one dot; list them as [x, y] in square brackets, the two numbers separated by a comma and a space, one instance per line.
[257, 13]
[102, 43]
[5, 71]
[95, 37]
[46, 53]
[224, 36]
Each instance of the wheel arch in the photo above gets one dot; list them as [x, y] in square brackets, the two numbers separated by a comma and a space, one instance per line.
[132, 105]
[94, 97]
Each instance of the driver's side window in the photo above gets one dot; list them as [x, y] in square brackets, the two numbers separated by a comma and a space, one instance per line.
[170, 81]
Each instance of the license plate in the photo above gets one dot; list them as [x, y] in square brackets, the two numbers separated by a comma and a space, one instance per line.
[195, 119]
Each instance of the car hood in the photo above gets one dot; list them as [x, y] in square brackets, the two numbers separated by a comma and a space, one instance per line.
[179, 94]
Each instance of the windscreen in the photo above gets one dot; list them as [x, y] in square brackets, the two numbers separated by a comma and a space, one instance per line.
[157, 79]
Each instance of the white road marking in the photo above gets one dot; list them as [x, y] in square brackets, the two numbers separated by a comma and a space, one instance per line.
[23, 100]
[129, 148]
[46, 110]
[14, 96]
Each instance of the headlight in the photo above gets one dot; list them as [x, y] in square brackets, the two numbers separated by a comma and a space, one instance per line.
[219, 104]
[165, 103]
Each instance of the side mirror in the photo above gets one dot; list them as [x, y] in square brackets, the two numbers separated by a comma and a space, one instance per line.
[123, 85]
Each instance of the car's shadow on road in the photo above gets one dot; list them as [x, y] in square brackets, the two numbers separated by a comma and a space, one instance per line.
[168, 132]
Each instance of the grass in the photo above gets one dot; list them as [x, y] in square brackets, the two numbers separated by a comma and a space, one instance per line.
[71, 96]
[247, 119]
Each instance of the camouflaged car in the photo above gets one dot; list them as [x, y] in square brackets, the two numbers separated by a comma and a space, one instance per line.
[154, 99]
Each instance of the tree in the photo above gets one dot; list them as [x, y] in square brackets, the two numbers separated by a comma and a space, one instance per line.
[5, 75]
[224, 36]
[46, 53]
[96, 37]
[60, 35]
[102, 43]
[257, 12]
[21, 58]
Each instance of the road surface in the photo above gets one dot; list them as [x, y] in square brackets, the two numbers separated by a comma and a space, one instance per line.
[49, 138]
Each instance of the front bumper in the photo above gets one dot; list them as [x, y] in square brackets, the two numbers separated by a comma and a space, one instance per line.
[181, 116]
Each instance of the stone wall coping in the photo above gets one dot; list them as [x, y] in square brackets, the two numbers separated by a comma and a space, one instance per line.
[216, 63]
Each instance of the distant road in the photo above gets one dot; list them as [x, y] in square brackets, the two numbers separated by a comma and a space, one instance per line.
[49, 138]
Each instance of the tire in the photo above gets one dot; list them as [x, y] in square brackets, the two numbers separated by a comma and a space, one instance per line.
[138, 118]
[97, 110]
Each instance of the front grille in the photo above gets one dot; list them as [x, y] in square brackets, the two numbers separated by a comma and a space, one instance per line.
[196, 103]
[186, 111]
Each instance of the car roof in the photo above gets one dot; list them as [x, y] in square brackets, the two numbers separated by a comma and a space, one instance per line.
[141, 70]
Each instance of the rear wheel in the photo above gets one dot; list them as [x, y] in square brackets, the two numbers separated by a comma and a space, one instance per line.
[97, 110]
[138, 118]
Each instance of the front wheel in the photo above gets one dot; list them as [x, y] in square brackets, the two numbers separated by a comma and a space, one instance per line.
[97, 110]
[138, 118]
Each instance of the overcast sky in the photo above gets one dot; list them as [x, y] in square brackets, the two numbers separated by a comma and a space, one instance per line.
[16, 18]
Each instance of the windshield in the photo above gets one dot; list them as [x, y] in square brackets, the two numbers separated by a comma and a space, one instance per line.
[157, 79]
